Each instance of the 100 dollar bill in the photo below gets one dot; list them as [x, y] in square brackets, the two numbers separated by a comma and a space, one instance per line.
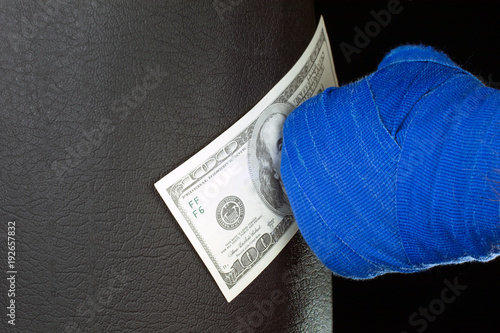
[229, 198]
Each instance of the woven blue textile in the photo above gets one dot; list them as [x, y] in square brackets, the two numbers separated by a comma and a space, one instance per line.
[399, 171]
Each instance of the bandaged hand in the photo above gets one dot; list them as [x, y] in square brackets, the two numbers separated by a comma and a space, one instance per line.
[399, 171]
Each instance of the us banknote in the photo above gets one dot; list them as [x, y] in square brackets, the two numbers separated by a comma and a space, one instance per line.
[229, 198]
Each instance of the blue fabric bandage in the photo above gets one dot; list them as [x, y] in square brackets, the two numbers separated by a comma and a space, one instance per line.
[399, 171]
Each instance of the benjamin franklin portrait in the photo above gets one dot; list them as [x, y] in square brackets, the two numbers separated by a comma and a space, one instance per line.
[265, 157]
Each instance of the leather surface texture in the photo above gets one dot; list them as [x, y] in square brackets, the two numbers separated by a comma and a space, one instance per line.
[98, 101]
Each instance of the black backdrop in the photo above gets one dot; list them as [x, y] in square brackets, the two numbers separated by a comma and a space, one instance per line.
[469, 32]
[99, 251]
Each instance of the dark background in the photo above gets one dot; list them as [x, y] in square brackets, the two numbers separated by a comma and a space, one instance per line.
[468, 31]
[98, 250]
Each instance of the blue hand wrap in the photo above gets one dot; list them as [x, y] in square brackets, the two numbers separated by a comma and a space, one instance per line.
[399, 171]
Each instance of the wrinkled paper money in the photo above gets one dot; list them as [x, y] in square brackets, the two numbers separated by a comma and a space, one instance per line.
[229, 198]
